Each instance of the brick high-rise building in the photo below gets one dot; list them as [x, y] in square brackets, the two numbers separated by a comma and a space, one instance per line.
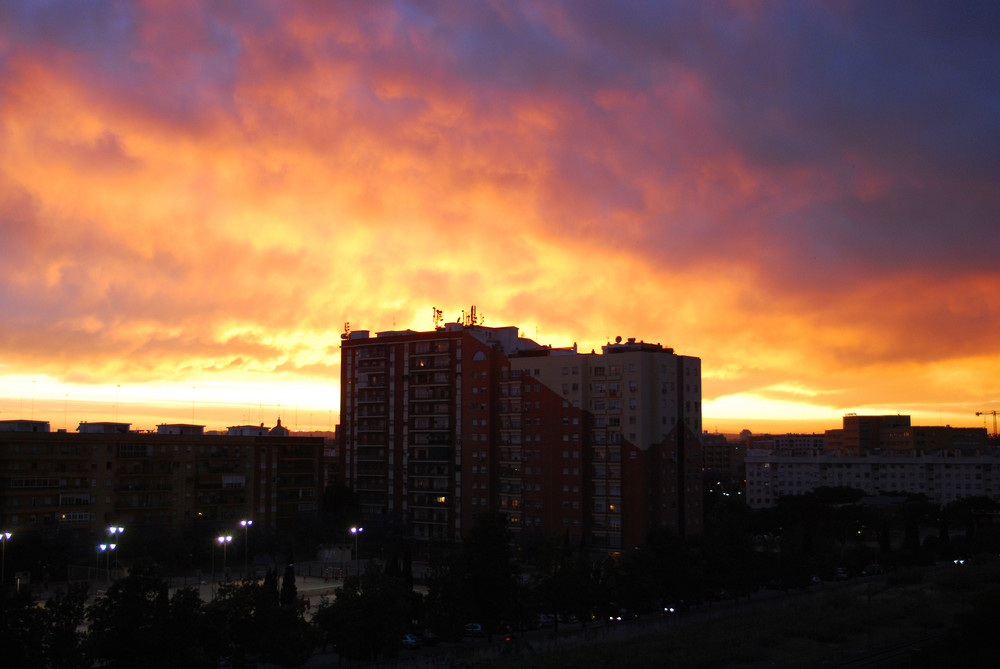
[440, 426]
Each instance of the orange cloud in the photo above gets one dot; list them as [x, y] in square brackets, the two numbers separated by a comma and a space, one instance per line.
[203, 195]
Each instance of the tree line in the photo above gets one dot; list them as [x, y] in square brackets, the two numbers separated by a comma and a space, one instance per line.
[494, 578]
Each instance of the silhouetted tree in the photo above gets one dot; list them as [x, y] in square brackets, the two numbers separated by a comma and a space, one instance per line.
[443, 606]
[133, 625]
[62, 617]
[21, 630]
[974, 515]
[491, 576]
[289, 593]
[268, 594]
[367, 617]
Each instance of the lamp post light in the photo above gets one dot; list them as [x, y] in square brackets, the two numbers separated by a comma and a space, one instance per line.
[4, 537]
[356, 531]
[107, 548]
[245, 524]
[225, 541]
[114, 530]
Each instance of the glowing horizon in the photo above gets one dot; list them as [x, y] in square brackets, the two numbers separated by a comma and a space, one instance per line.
[195, 197]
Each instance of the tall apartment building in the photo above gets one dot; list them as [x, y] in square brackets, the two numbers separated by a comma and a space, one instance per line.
[106, 473]
[440, 426]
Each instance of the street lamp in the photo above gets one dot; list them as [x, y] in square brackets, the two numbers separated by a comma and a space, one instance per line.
[245, 524]
[114, 530]
[107, 548]
[225, 541]
[4, 537]
[356, 531]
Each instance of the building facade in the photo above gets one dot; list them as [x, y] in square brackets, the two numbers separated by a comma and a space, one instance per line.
[106, 474]
[438, 427]
[942, 479]
[876, 454]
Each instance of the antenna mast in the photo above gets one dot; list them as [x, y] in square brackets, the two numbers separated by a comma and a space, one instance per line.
[470, 318]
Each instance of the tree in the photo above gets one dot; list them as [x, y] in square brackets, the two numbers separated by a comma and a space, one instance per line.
[137, 624]
[973, 515]
[21, 630]
[61, 617]
[443, 612]
[289, 593]
[491, 588]
[367, 617]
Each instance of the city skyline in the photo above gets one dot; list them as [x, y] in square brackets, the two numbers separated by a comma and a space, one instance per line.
[195, 199]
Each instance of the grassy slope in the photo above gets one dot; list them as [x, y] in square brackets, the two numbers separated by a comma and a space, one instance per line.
[830, 627]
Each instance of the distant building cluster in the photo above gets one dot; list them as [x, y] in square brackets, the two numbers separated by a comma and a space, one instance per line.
[105, 473]
[876, 454]
[438, 427]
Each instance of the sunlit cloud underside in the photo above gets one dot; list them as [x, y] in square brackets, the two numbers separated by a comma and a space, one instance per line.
[195, 198]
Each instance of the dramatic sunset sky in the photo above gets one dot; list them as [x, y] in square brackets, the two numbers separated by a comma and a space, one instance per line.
[196, 196]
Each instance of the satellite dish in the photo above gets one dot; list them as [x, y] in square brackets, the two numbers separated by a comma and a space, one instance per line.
[618, 339]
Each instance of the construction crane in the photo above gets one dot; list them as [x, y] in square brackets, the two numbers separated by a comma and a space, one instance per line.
[987, 413]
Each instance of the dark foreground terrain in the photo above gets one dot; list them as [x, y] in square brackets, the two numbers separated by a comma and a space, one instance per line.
[915, 619]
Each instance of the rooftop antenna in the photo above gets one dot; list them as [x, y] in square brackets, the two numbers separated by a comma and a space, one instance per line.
[347, 331]
[438, 317]
[469, 319]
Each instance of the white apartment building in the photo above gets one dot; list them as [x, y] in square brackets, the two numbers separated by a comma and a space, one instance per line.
[941, 478]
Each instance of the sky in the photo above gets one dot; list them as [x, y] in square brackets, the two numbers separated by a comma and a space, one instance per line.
[196, 197]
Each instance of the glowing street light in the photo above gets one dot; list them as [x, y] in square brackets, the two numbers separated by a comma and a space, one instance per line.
[225, 541]
[4, 537]
[356, 531]
[114, 530]
[107, 549]
[245, 524]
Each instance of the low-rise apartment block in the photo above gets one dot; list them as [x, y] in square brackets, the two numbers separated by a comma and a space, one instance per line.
[106, 474]
[878, 454]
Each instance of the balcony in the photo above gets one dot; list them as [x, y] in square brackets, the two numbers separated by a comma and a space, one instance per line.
[430, 424]
[372, 353]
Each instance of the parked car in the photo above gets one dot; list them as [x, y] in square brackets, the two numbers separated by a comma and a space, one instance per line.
[473, 629]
